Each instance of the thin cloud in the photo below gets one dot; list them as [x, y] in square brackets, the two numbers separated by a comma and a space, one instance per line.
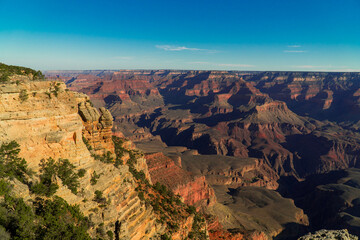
[294, 51]
[183, 48]
[177, 48]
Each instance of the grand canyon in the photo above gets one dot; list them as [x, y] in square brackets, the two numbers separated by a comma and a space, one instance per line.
[262, 154]
[180, 120]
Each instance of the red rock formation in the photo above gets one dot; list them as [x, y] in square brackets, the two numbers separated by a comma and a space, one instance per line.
[217, 232]
[193, 189]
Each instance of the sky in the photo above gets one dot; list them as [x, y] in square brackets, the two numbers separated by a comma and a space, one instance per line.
[249, 35]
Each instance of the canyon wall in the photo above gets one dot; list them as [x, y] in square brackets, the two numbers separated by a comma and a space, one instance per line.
[48, 120]
[193, 189]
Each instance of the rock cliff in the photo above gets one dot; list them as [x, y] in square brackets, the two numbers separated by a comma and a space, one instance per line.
[193, 189]
[49, 121]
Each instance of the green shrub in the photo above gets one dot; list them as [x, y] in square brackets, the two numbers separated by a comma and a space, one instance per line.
[100, 230]
[161, 188]
[4, 235]
[119, 151]
[48, 94]
[191, 210]
[23, 95]
[4, 78]
[17, 218]
[46, 186]
[49, 169]
[81, 173]
[94, 178]
[106, 158]
[58, 218]
[110, 234]
[65, 171]
[141, 196]
[9, 70]
[11, 165]
[87, 144]
[99, 198]
[165, 237]
[5, 187]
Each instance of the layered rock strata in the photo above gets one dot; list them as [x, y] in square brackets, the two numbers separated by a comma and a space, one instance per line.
[47, 120]
[193, 189]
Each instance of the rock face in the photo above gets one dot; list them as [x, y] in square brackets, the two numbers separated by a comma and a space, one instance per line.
[193, 189]
[43, 124]
[230, 171]
[330, 234]
[97, 128]
[49, 121]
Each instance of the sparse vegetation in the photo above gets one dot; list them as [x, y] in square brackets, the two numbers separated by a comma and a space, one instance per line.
[48, 219]
[8, 70]
[167, 206]
[4, 77]
[65, 171]
[119, 151]
[106, 158]
[11, 165]
[94, 178]
[23, 95]
[99, 198]
[81, 173]
[48, 94]
[47, 185]
[87, 144]
[49, 169]
[197, 231]
[55, 89]
[110, 235]
[44, 219]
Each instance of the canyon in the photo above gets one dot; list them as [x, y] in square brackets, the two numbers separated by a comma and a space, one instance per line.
[237, 134]
[51, 123]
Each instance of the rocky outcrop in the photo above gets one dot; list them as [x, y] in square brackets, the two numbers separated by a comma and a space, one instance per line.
[230, 171]
[46, 123]
[330, 234]
[193, 189]
[97, 128]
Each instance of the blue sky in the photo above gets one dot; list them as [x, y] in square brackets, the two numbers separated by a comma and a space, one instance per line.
[300, 35]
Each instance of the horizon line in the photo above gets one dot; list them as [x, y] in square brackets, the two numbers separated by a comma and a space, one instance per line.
[205, 70]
